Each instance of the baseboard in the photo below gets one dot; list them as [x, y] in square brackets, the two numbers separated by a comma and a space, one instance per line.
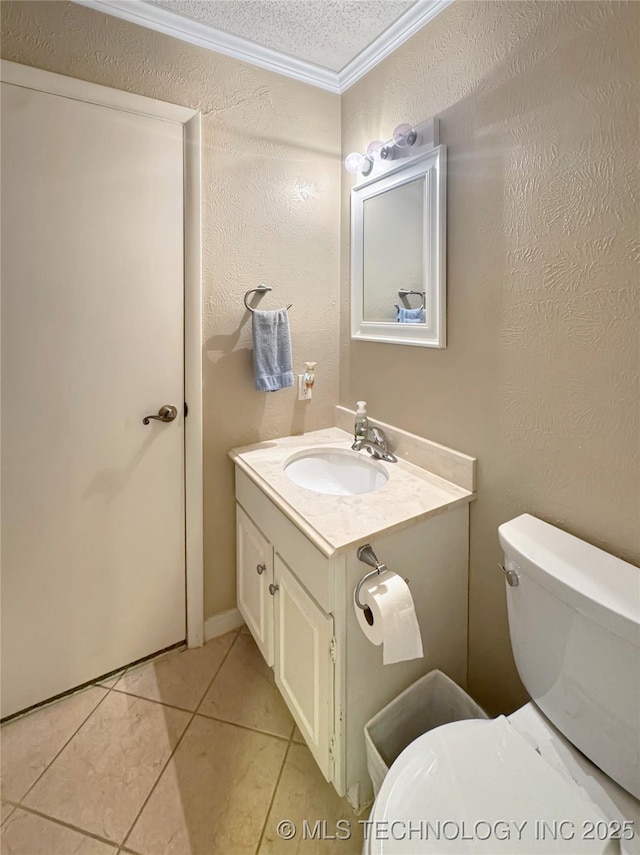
[224, 622]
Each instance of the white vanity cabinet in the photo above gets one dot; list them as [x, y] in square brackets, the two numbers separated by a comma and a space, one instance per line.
[255, 576]
[297, 602]
[304, 664]
[292, 630]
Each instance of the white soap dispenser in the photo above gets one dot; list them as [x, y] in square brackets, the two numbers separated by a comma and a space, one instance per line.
[362, 422]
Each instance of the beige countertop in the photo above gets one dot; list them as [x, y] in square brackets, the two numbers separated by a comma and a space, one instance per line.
[336, 523]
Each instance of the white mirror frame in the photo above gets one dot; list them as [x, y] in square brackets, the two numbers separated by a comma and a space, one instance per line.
[432, 165]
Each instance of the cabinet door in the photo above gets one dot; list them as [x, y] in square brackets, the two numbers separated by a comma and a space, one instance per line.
[304, 667]
[255, 574]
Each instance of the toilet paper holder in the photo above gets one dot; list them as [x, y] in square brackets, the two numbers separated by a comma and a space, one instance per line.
[367, 556]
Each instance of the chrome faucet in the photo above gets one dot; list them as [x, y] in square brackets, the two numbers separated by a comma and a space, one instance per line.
[375, 441]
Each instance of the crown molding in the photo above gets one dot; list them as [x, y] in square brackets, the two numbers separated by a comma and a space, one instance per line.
[196, 33]
[402, 29]
[163, 21]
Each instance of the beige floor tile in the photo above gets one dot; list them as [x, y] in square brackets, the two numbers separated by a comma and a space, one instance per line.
[108, 682]
[213, 796]
[244, 692]
[27, 834]
[179, 678]
[298, 737]
[101, 779]
[5, 811]
[303, 794]
[30, 743]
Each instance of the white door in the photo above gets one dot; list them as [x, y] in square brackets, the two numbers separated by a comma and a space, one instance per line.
[93, 573]
[303, 666]
[255, 574]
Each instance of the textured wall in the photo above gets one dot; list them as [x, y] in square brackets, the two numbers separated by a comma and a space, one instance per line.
[538, 104]
[539, 110]
[271, 173]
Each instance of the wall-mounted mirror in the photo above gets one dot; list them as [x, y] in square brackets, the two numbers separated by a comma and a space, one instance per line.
[398, 253]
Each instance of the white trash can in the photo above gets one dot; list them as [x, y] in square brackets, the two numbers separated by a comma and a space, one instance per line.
[431, 701]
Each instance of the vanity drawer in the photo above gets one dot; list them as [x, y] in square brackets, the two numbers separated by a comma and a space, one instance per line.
[310, 566]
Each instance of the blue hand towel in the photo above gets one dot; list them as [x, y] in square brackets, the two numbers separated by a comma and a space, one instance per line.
[410, 316]
[272, 350]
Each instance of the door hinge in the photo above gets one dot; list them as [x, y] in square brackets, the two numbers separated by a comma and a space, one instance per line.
[332, 648]
[332, 747]
[186, 409]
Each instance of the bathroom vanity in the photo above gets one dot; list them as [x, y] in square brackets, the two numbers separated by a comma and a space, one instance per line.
[298, 568]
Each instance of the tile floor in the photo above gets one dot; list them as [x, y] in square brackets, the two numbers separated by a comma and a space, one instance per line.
[194, 753]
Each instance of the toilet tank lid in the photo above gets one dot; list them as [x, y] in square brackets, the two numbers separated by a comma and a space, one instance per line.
[601, 586]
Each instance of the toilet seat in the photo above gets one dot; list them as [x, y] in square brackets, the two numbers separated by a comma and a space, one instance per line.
[469, 786]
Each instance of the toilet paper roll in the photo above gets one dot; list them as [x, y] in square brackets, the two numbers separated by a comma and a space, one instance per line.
[393, 615]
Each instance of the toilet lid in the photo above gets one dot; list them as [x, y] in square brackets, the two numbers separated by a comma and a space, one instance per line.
[479, 786]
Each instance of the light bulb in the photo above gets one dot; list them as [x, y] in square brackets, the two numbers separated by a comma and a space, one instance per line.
[374, 149]
[404, 136]
[353, 162]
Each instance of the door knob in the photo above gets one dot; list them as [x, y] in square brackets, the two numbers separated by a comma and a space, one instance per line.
[165, 414]
[261, 568]
[273, 588]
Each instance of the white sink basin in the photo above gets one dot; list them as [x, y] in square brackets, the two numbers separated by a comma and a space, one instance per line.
[336, 472]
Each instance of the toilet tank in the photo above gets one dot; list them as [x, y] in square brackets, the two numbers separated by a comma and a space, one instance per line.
[574, 620]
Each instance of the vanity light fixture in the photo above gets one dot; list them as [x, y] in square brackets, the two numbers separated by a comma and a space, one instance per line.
[375, 150]
[404, 136]
[356, 162]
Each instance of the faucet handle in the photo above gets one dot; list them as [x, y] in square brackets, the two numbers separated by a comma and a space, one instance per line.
[378, 436]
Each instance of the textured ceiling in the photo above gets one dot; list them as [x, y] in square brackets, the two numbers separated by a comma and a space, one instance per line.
[329, 33]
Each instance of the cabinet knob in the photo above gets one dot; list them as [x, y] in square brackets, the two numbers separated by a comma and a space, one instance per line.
[261, 568]
[273, 588]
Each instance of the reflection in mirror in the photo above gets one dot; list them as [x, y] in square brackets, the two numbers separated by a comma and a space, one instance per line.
[393, 254]
[398, 248]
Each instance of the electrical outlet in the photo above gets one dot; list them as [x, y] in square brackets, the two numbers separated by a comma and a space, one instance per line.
[304, 391]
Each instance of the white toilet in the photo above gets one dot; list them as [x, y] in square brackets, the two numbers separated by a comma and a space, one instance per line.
[523, 783]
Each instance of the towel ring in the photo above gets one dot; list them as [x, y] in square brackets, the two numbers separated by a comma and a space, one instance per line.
[261, 289]
[404, 292]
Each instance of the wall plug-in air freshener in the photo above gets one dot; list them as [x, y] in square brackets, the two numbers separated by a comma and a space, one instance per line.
[306, 381]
